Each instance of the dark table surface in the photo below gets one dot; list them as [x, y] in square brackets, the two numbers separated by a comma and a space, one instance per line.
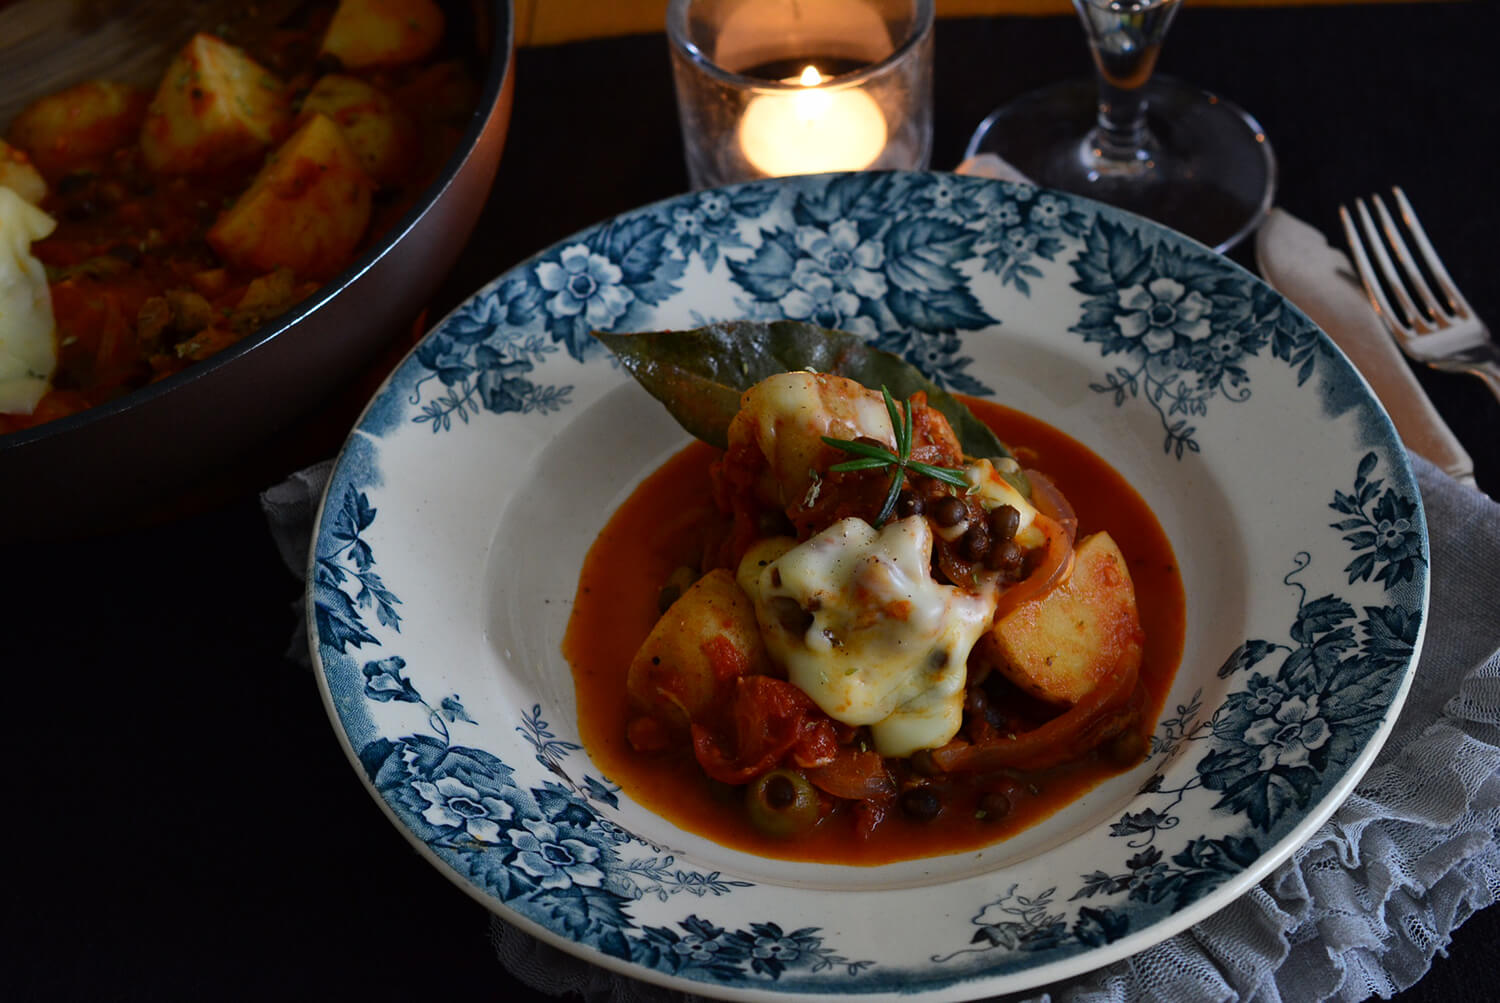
[187, 824]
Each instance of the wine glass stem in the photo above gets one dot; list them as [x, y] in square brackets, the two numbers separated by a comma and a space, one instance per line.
[1120, 132]
[1124, 37]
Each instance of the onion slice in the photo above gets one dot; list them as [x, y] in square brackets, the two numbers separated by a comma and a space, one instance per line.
[1107, 710]
[1050, 502]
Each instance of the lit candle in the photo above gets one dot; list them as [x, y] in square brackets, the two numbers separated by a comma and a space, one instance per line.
[812, 130]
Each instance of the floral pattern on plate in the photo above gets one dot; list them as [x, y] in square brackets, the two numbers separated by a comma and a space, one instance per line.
[1104, 324]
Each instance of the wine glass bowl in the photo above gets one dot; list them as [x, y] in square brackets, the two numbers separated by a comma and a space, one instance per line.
[1159, 147]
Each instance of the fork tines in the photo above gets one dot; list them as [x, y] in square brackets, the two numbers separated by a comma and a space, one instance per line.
[1429, 312]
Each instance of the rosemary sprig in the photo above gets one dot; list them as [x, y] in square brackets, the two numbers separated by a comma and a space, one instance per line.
[872, 457]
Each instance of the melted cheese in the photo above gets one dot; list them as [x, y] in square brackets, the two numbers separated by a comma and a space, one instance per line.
[27, 350]
[863, 629]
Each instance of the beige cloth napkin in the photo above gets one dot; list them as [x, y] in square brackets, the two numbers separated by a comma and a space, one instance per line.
[987, 165]
[1297, 260]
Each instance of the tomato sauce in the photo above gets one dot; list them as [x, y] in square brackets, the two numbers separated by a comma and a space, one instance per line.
[129, 240]
[669, 520]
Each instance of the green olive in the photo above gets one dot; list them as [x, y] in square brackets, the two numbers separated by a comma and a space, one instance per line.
[781, 803]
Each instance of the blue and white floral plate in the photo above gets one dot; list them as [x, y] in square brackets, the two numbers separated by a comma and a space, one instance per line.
[449, 544]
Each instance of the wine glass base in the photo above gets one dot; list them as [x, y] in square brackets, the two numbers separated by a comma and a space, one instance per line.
[1207, 169]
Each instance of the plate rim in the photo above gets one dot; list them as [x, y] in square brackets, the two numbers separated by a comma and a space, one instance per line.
[953, 987]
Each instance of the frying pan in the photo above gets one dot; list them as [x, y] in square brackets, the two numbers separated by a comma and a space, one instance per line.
[120, 462]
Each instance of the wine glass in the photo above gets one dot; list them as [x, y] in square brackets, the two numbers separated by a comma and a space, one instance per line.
[1155, 146]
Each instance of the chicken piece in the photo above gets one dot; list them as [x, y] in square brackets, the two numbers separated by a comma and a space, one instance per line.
[783, 419]
[383, 138]
[215, 106]
[1062, 644]
[366, 33]
[689, 661]
[306, 210]
[76, 126]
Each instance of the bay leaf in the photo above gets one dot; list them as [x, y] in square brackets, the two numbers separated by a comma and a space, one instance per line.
[699, 374]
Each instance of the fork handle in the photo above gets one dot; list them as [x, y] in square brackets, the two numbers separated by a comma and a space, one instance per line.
[1481, 360]
[1489, 372]
[1486, 369]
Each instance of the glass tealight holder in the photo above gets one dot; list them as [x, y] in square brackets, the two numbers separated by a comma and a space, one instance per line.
[768, 88]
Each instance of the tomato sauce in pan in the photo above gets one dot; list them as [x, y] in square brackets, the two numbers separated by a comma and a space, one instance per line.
[663, 525]
[126, 236]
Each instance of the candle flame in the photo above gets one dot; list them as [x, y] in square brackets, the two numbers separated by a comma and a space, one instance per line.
[812, 130]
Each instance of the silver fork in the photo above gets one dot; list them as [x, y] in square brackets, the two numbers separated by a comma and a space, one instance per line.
[1444, 333]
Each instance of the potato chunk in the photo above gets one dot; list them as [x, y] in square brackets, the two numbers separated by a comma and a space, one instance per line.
[76, 126]
[215, 106]
[19, 174]
[705, 640]
[1059, 646]
[382, 32]
[307, 208]
[381, 136]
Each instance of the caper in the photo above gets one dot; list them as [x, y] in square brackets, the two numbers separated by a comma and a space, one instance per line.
[1004, 521]
[993, 806]
[974, 545]
[921, 804]
[781, 803]
[923, 764]
[909, 503]
[948, 511]
[1005, 557]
